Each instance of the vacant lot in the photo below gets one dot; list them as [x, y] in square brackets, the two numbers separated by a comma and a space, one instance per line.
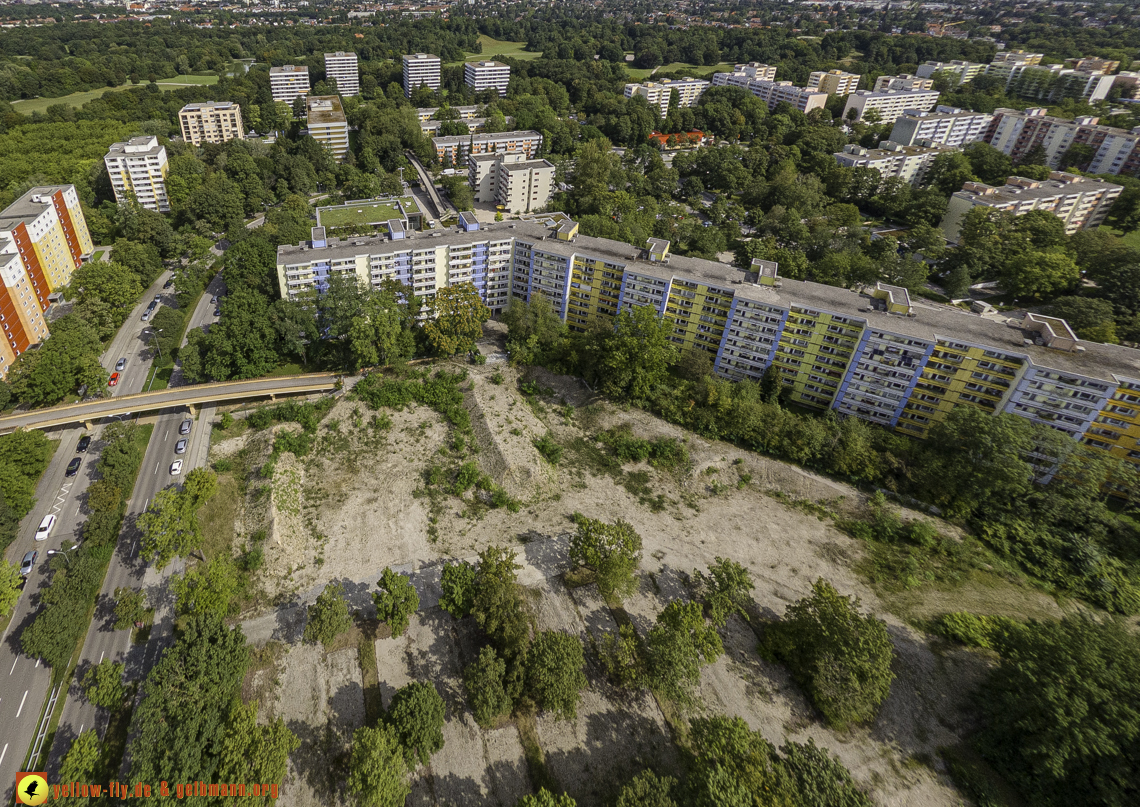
[357, 502]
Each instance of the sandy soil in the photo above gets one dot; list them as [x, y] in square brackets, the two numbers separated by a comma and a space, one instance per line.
[359, 514]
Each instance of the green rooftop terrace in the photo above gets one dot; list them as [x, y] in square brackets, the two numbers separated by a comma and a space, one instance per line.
[370, 212]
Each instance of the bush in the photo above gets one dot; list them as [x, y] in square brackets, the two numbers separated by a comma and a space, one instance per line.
[676, 649]
[103, 685]
[841, 658]
[549, 449]
[396, 600]
[498, 606]
[416, 716]
[465, 478]
[554, 674]
[976, 631]
[328, 616]
[648, 790]
[377, 773]
[611, 551]
[620, 654]
[484, 680]
[724, 590]
[458, 583]
[624, 445]
[226, 421]
[820, 778]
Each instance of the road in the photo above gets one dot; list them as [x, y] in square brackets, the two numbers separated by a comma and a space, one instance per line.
[135, 343]
[441, 208]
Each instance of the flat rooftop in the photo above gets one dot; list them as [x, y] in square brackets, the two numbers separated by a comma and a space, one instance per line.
[367, 212]
[27, 208]
[324, 109]
[484, 137]
[288, 68]
[930, 320]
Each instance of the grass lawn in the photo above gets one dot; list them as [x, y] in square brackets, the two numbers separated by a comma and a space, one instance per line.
[493, 48]
[158, 378]
[698, 69]
[373, 213]
[78, 99]
[101, 254]
[286, 369]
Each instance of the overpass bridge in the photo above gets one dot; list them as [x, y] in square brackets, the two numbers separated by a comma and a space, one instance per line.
[87, 412]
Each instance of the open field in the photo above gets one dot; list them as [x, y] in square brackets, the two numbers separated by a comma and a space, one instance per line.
[78, 99]
[642, 73]
[500, 47]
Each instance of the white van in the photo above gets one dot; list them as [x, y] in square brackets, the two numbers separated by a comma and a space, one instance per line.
[45, 527]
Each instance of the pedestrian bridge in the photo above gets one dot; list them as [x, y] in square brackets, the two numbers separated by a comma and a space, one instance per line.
[87, 412]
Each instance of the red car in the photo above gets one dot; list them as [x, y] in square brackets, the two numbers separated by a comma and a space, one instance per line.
[113, 380]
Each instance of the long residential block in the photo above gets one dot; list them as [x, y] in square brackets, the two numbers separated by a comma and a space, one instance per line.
[1015, 132]
[889, 104]
[946, 126]
[1079, 202]
[870, 354]
[904, 81]
[964, 71]
[43, 240]
[457, 148]
[773, 92]
[833, 82]
[659, 93]
[893, 160]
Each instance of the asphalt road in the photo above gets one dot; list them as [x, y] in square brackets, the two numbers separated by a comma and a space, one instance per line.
[135, 343]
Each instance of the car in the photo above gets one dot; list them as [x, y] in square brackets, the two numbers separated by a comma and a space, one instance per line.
[186, 426]
[29, 562]
[113, 381]
[176, 468]
[146, 316]
[157, 298]
[180, 446]
[168, 284]
[214, 300]
[44, 530]
[84, 443]
[73, 467]
[217, 312]
[121, 365]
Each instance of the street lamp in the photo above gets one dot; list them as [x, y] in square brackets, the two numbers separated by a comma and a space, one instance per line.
[63, 553]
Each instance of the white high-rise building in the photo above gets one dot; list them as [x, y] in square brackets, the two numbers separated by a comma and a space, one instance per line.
[138, 168]
[772, 92]
[904, 81]
[288, 82]
[965, 71]
[658, 93]
[946, 126]
[211, 122]
[890, 104]
[345, 68]
[420, 70]
[487, 75]
[893, 160]
[327, 124]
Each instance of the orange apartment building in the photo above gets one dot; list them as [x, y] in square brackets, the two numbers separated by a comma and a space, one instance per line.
[43, 239]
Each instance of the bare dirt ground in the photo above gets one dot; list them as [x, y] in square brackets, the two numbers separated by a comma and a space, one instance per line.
[351, 508]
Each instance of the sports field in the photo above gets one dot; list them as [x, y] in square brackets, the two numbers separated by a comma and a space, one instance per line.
[78, 99]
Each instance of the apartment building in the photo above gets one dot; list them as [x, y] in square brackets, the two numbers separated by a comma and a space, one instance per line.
[1080, 202]
[457, 148]
[420, 70]
[904, 81]
[1015, 132]
[137, 169]
[906, 162]
[463, 113]
[43, 240]
[743, 73]
[769, 91]
[327, 124]
[211, 122]
[512, 182]
[288, 82]
[345, 68]
[945, 126]
[1105, 67]
[833, 82]
[487, 75]
[965, 71]
[869, 354]
[658, 93]
[889, 104]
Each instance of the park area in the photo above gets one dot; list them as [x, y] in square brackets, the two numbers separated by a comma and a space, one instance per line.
[364, 496]
[78, 99]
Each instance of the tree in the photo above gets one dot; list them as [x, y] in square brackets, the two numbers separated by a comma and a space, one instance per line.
[497, 607]
[554, 674]
[460, 314]
[416, 716]
[80, 764]
[254, 753]
[458, 583]
[208, 588]
[736, 766]
[484, 680]
[130, 607]
[11, 584]
[170, 525]
[821, 778]
[1089, 317]
[396, 600]
[1077, 155]
[459, 191]
[103, 684]
[949, 171]
[377, 773]
[840, 657]
[376, 333]
[637, 355]
[1063, 712]
[242, 344]
[328, 616]
[544, 798]
[989, 164]
[724, 590]
[676, 648]
[611, 551]
[63, 363]
[648, 790]
[106, 294]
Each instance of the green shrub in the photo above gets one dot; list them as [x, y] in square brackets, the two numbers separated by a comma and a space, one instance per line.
[668, 453]
[624, 445]
[497, 378]
[465, 478]
[458, 583]
[973, 630]
[484, 681]
[395, 601]
[417, 716]
[549, 449]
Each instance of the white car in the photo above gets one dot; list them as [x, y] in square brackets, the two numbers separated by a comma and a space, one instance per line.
[45, 527]
[176, 468]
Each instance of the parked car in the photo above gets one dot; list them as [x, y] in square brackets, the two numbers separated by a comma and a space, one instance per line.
[146, 315]
[121, 364]
[73, 467]
[158, 298]
[214, 300]
[113, 381]
[186, 426]
[84, 443]
[217, 312]
[176, 468]
[180, 446]
[168, 284]
[28, 563]
[45, 527]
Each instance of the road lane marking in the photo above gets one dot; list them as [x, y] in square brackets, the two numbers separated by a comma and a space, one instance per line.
[81, 725]
[21, 709]
[2, 753]
[76, 511]
[37, 665]
[156, 467]
[101, 657]
[17, 658]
